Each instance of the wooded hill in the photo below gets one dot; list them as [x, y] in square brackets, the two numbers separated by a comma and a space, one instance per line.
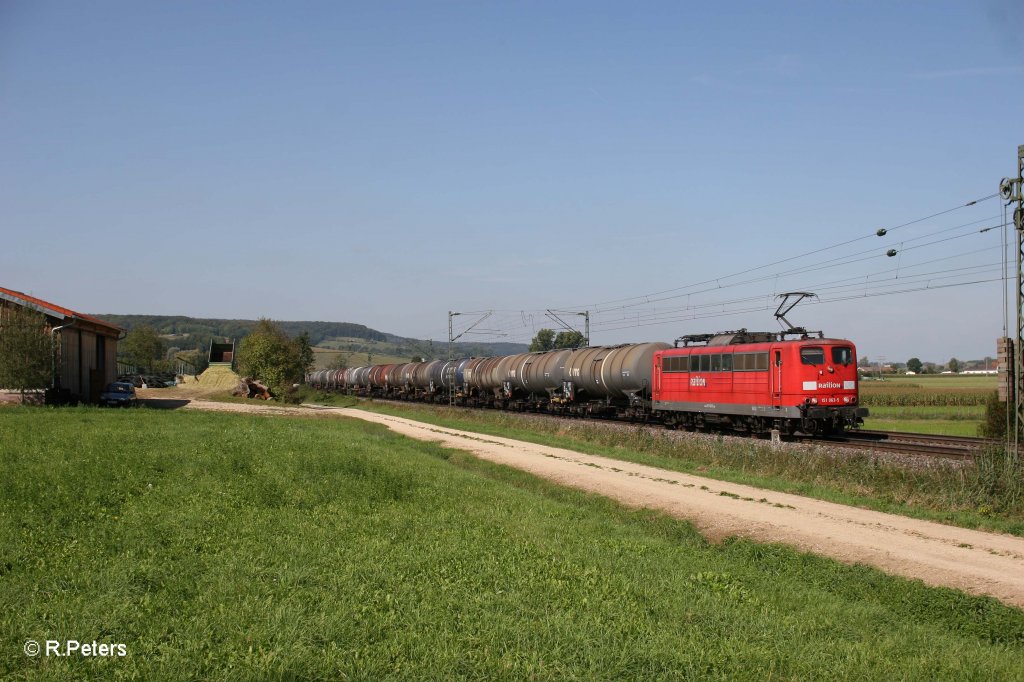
[191, 333]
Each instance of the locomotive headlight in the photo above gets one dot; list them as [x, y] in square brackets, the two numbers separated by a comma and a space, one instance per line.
[846, 399]
[814, 401]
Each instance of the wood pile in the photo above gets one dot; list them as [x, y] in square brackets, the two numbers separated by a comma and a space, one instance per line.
[251, 388]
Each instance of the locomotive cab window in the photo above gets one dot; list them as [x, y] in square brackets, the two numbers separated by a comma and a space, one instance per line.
[812, 356]
[842, 355]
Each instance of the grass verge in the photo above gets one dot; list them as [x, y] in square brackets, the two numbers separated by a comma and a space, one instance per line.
[938, 420]
[222, 546]
[968, 496]
[933, 426]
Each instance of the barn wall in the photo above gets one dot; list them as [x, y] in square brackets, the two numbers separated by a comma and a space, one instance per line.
[111, 363]
[70, 377]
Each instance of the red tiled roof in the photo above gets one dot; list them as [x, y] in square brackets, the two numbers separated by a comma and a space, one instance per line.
[53, 309]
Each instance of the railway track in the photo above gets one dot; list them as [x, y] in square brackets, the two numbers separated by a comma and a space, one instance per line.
[950, 447]
[921, 444]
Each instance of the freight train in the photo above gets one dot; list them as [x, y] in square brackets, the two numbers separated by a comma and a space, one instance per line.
[743, 381]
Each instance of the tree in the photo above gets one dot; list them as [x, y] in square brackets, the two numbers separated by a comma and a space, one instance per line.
[544, 340]
[915, 365]
[269, 355]
[305, 350]
[339, 361]
[25, 352]
[573, 339]
[142, 346]
[199, 360]
[954, 365]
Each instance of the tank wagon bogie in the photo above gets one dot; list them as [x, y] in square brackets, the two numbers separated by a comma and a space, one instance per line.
[753, 382]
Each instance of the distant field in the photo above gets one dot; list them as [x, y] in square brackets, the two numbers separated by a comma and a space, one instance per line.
[942, 404]
[322, 358]
[359, 352]
[986, 381]
[221, 546]
[936, 390]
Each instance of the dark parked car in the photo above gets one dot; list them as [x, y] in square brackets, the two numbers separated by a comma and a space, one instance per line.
[119, 394]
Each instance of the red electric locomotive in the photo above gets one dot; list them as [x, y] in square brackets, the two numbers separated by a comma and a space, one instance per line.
[758, 381]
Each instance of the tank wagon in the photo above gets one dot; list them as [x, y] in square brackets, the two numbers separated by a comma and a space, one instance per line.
[740, 380]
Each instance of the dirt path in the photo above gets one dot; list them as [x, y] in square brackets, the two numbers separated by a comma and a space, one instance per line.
[974, 561]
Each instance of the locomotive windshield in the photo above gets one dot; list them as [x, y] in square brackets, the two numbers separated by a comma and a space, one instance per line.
[812, 356]
[842, 355]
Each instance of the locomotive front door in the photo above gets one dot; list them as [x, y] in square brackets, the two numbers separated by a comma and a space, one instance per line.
[776, 373]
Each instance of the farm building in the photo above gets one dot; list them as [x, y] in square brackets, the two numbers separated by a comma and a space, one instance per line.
[85, 347]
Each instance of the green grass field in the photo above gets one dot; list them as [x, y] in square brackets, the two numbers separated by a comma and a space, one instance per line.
[946, 421]
[937, 427]
[980, 495]
[229, 547]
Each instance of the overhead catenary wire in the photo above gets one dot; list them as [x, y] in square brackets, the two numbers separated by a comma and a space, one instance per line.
[515, 325]
[877, 233]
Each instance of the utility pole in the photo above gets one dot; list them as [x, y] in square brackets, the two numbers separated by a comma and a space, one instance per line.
[452, 338]
[1012, 192]
[553, 314]
[451, 356]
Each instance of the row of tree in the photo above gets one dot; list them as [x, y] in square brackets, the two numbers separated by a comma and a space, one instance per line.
[196, 332]
[547, 339]
[916, 365]
[147, 350]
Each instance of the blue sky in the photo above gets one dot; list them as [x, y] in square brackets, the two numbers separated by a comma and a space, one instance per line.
[384, 163]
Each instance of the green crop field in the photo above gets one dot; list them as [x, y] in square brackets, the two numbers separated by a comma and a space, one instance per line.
[225, 547]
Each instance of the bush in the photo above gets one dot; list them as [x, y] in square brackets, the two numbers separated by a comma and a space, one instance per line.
[268, 354]
[996, 413]
[996, 482]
